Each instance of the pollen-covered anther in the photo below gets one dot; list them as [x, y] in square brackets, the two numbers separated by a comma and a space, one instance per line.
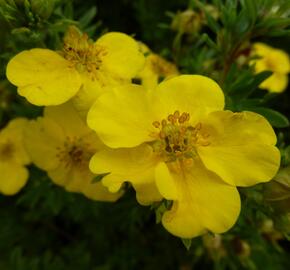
[183, 118]
[177, 139]
[156, 124]
[83, 53]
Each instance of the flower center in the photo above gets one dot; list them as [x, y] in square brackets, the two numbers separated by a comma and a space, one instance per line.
[6, 151]
[176, 139]
[83, 53]
[270, 65]
[75, 152]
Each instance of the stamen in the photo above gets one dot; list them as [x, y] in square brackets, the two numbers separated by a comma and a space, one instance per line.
[156, 124]
[176, 114]
[164, 123]
[177, 139]
[83, 53]
[74, 152]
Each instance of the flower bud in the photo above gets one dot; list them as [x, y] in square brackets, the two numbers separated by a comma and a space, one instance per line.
[277, 192]
[24, 13]
[241, 248]
[187, 21]
[43, 8]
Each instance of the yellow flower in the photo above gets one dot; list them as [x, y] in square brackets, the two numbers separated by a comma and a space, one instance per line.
[61, 144]
[179, 141]
[274, 60]
[13, 157]
[82, 68]
[155, 69]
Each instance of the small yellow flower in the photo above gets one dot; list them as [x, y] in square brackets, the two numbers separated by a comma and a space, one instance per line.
[61, 144]
[274, 60]
[13, 157]
[82, 68]
[178, 141]
[155, 69]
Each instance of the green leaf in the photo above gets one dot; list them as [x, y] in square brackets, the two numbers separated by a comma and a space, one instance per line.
[87, 18]
[278, 33]
[212, 23]
[246, 84]
[260, 77]
[161, 209]
[277, 23]
[275, 118]
[209, 41]
[186, 242]
[242, 24]
[251, 7]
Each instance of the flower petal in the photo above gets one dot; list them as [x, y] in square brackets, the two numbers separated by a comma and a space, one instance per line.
[42, 138]
[135, 165]
[123, 57]
[87, 95]
[146, 193]
[280, 61]
[43, 77]
[122, 117]
[276, 83]
[98, 192]
[123, 160]
[241, 149]
[67, 118]
[13, 133]
[194, 94]
[75, 179]
[13, 178]
[272, 59]
[165, 182]
[204, 203]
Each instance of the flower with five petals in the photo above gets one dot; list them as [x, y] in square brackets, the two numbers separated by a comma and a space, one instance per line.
[61, 144]
[178, 143]
[81, 70]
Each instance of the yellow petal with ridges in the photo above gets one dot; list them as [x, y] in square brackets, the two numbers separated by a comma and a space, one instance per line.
[134, 165]
[87, 95]
[123, 57]
[205, 203]
[43, 77]
[123, 160]
[68, 119]
[42, 139]
[165, 182]
[193, 94]
[241, 148]
[147, 193]
[62, 176]
[81, 181]
[98, 192]
[122, 117]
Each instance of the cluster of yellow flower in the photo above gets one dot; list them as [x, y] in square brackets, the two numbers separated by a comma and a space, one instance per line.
[171, 141]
